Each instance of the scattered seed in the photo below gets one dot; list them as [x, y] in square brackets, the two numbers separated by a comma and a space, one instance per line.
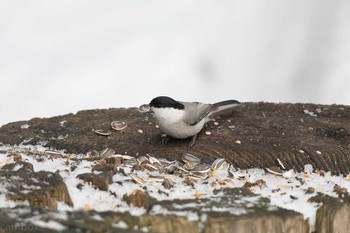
[348, 177]
[289, 174]
[130, 163]
[207, 133]
[190, 166]
[69, 156]
[118, 125]
[101, 132]
[189, 158]
[220, 181]
[144, 108]
[280, 163]
[137, 179]
[168, 183]
[182, 169]
[127, 157]
[52, 152]
[153, 160]
[198, 194]
[150, 166]
[284, 186]
[238, 142]
[106, 153]
[320, 172]
[141, 159]
[220, 164]
[202, 168]
[140, 131]
[87, 207]
[275, 171]
[8, 160]
[200, 175]
[156, 178]
[171, 168]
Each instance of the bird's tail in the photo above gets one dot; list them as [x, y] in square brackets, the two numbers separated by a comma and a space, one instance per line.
[223, 105]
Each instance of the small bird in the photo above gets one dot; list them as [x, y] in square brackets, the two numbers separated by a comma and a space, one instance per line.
[184, 119]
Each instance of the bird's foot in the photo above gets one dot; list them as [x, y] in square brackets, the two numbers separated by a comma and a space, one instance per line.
[193, 141]
[165, 140]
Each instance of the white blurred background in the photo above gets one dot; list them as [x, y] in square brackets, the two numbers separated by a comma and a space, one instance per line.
[62, 56]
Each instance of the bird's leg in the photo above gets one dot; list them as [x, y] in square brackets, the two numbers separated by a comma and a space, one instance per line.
[165, 140]
[193, 141]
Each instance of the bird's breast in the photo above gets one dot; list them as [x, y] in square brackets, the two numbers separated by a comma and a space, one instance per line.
[171, 122]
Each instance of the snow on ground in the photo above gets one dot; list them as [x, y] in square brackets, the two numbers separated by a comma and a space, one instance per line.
[289, 193]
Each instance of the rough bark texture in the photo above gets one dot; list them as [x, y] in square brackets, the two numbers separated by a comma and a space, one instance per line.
[258, 217]
[334, 214]
[251, 135]
[268, 222]
[42, 189]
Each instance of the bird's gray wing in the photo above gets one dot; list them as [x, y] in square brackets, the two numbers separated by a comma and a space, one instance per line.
[195, 111]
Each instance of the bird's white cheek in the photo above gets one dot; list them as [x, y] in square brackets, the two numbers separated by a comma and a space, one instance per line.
[168, 114]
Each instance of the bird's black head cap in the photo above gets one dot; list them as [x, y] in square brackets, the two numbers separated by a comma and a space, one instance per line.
[166, 102]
